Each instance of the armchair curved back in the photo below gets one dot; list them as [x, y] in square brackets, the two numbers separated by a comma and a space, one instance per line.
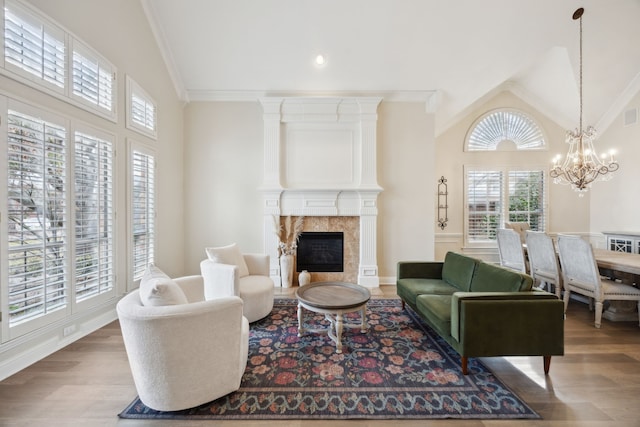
[182, 356]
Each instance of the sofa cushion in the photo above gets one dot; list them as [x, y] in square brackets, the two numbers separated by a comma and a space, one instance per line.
[493, 278]
[458, 270]
[157, 289]
[436, 309]
[408, 289]
[229, 255]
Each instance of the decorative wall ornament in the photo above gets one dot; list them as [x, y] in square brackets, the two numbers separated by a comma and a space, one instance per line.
[442, 203]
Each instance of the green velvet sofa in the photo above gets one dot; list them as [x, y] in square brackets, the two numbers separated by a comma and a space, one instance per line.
[482, 309]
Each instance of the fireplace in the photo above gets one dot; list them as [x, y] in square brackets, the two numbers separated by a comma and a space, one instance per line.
[320, 163]
[320, 252]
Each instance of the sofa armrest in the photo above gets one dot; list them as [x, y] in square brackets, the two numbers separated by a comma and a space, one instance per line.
[507, 323]
[258, 264]
[419, 269]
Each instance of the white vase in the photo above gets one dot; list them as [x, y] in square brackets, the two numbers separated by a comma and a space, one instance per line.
[286, 271]
[304, 278]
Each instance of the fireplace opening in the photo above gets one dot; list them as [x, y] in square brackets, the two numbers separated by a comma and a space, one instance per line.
[320, 251]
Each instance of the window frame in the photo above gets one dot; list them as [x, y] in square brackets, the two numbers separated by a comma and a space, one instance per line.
[504, 170]
[71, 44]
[105, 295]
[133, 89]
[146, 150]
[500, 133]
[28, 13]
[12, 331]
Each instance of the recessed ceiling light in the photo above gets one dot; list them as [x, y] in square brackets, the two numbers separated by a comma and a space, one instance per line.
[321, 60]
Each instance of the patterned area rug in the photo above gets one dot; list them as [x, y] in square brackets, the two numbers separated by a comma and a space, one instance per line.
[398, 369]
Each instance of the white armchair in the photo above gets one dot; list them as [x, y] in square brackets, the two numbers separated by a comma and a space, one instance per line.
[184, 355]
[256, 289]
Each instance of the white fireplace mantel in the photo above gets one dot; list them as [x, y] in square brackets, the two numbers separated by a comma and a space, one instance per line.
[320, 160]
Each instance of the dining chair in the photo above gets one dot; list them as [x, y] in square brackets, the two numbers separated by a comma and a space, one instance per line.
[518, 227]
[543, 261]
[510, 250]
[580, 274]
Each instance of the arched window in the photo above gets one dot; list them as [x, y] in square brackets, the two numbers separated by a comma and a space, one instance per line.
[505, 129]
[498, 192]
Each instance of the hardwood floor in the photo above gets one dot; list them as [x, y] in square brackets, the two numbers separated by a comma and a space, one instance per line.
[596, 383]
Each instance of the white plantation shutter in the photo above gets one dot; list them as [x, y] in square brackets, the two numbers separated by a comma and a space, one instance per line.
[484, 204]
[94, 269]
[141, 110]
[37, 211]
[505, 125]
[93, 78]
[34, 48]
[500, 195]
[143, 210]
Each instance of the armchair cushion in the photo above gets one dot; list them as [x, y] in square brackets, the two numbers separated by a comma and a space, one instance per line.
[157, 289]
[229, 255]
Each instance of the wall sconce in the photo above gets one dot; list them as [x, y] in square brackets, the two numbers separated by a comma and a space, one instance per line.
[442, 203]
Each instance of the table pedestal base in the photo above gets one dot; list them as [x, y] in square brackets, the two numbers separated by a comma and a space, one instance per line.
[336, 322]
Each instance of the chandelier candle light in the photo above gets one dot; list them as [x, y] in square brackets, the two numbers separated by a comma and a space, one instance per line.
[582, 166]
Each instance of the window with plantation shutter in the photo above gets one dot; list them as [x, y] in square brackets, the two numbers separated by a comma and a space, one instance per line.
[94, 269]
[37, 210]
[93, 79]
[484, 205]
[33, 47]
[142, 209]
[505, 129]
[526, 198]
[499, 195]
[141, 110]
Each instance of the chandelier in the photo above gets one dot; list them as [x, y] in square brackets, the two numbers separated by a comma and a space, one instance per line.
[582, 166]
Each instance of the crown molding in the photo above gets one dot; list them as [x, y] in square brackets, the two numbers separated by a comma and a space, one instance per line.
[429, 97]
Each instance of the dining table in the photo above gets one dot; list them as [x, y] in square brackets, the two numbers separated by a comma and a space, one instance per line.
[625, 268]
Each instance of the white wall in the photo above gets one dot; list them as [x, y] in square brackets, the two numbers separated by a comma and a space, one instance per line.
[224, 169]
[119, 31]
[615, 204]
[567, 211]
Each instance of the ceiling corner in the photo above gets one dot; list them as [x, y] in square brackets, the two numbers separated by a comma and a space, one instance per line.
[163, 47]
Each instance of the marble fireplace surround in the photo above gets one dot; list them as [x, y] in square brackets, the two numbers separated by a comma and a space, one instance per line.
[320, 163]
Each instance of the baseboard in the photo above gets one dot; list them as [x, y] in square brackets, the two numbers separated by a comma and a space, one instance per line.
[25, 351]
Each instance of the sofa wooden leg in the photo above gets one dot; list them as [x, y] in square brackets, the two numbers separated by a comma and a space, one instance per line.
[547, 364]
[464, 361]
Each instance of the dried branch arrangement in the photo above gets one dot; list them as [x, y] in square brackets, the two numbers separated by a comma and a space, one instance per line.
[288, 235]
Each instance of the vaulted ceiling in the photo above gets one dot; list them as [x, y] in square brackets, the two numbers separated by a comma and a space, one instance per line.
[453, 54]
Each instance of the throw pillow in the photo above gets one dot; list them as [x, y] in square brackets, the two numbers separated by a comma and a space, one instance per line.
[156, 289]
[229, 255]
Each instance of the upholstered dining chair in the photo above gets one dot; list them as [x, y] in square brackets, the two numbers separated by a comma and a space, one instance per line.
[519, 227]
[183, 351]
[580, 274]
[543, 261]
[510, 250]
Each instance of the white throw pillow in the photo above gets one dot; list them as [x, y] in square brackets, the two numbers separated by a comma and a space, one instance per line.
[156, 288]
[229, 255]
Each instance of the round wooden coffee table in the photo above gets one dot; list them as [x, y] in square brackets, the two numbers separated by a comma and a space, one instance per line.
[333, 299]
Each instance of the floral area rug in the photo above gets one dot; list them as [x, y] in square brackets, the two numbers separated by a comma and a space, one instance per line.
[398, 369]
